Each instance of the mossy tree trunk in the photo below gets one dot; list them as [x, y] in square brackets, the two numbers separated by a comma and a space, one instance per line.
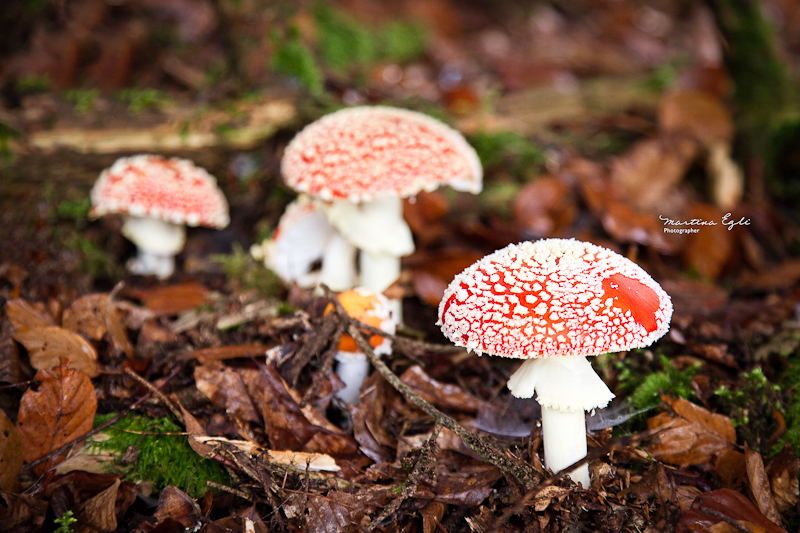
[766, 96]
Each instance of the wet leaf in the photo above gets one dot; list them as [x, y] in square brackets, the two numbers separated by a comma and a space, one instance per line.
[690, 434]
[713, 510]
[48, 345]
[438, 393]
[783, 470]
[61, 409]
[436, 270]
[21, 512]
[698, 115]
[87, 315]
[226, 388]
[544, 207]
[10, 454]
[172, 299]
[759, 484]
[24, 316]
[650, 171]
[99, 511]
[177, 506]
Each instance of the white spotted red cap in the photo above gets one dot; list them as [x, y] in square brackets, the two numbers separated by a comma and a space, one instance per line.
[369, 152]
[173, 190]
[554, 297]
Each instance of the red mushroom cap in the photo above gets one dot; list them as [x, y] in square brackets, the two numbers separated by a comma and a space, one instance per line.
[554, 297]
[364, 153]
[173, 190]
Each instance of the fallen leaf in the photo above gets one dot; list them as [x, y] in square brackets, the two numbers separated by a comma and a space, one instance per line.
[783, 470]
[440, 394]
[24, 316]
[87, 315]
[431, 516]
[21, 512]
[424, 214]
[759, 484]
[175, 505]
[544, 207]
[60, 410]
[172, 299]
[646, 174]
[690, 434]
[99, 511]
[10, 454]
[48, 345]
[226, 388]
[216, 353]
[698, 115]
[434, 271]
[711, 509]
[709, 249]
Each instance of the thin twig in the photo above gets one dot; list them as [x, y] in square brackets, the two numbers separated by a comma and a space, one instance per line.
[157, 393]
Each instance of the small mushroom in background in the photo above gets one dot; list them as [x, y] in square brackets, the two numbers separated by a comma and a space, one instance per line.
[361, 162]
[302, 238]
[352, 366]
[158, 197]
[553, 302]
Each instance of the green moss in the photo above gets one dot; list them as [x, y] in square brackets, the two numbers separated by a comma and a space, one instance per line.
[749, 404]
[646, 389]
[139, 100]
[244, 272]
[293, 58]
[162, 454]
[790, 386]
[510, 150]
[83, 99]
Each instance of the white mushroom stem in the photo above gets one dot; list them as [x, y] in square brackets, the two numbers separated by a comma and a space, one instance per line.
[352, 368]
[565, 387]
[378, 229]
[339, 264]
[157, 243]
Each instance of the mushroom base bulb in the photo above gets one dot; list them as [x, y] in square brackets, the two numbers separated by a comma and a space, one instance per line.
[157, 242]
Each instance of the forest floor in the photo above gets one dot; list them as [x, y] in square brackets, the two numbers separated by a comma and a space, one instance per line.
[207, 401]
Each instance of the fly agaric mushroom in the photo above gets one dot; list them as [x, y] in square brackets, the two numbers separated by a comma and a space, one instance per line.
[303, 237]
[554, 302]
[372, 309]
[158, 197]
[362, 161]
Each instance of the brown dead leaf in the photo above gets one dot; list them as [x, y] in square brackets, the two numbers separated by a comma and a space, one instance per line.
[431, 516]
[291, 427]
[10, 454]
[433, 272]
[698, 115]
[731, 469]
[544, 207]
[690, 435]
[176, 505]
[24, 316]
[708, 250]
[87, 315]
[424, 215]
[99, 511]
[374, 440]
[711, 509]
[440, 394]
[759, 484]
[60, 410]
[649, 171]
[20, 512]
[172, 299]
[47, 345]
[217, 353]
[226, 388]
[469, 485]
